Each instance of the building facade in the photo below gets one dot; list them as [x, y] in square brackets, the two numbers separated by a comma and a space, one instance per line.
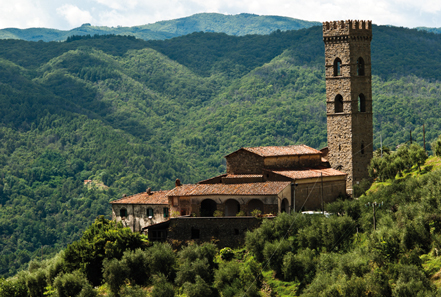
[349, 97]
[142, 209]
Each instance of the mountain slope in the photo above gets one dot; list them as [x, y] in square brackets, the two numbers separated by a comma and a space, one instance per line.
[131, 114]
[239, 25]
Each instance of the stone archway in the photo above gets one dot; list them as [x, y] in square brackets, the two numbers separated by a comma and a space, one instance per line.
[208, 207]
[232, 207]
[284, 206]
[255, 204]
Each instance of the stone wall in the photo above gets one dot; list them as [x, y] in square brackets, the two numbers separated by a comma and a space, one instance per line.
[244, 162]
[226, 232]
[292, 162]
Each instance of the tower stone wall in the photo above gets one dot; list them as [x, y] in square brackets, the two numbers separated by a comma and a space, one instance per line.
[349, 97]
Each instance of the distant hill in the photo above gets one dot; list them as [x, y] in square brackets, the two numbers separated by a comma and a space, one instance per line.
[238, 25]
[432, 30]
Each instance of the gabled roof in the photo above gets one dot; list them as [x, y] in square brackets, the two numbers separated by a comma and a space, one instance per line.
[244, 176]
[212, 178]
[258, 189]
[276, 151]
[309, 173]
[157, 197]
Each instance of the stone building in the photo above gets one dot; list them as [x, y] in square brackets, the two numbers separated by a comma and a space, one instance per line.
[270, 179]
[349, 97]
[140, 210]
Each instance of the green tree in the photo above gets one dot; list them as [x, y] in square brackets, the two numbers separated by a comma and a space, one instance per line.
[104, 239]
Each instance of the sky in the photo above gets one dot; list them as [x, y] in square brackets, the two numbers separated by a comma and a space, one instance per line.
[69, 14]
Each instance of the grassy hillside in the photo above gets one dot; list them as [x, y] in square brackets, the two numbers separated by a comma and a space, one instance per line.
[239, 25]
[132, 114]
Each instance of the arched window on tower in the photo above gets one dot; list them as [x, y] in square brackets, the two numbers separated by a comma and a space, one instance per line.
[360, 67]
[361, 103]
[338, 103]
[337, 67]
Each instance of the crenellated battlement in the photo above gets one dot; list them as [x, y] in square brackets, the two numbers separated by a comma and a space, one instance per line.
[348, 28]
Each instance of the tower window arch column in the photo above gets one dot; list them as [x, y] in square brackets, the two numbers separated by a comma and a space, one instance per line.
[361, 103]
[360, 66]
[338, 104]
[337, 67]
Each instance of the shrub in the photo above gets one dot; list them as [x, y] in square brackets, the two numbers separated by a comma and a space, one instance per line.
[196, 260]
[189, 271]
[133, 291]
[88, 291]
[136, 264]
[14, 287]
[255, 240]
[226, 254]
[36, 283]
[162, 260]
[218, 213]
[69, 284]
[436, 146]
[299, 267]
[162, 288]
[238, 279]
[115, 274]
[412, 282]
[55, 267]
[241, 214]
[274, 253]
[256, 213]
[198, 289]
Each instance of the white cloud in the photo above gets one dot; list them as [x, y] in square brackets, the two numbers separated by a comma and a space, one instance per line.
[65, 14]
[74, 16]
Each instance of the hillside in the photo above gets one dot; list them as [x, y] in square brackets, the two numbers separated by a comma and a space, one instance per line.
[131, 114]
[238, 25]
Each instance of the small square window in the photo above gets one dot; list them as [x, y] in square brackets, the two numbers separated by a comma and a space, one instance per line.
[150, 212]
[123, 213]
[166, 212]
[195, 233]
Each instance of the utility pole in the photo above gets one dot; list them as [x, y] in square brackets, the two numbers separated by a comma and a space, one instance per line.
[374, 206]
[293, 195]
[323, 205]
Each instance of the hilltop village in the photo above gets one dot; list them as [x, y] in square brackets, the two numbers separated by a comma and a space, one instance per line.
[266, 181]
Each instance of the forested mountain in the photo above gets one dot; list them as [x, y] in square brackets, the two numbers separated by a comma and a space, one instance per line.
[131, 114]
[239, 25]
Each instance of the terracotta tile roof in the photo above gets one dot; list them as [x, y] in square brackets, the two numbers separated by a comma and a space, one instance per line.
[309, 173]
[244, 176]
[266, 188]
[212, 178]
[157, 197]
[290, 150]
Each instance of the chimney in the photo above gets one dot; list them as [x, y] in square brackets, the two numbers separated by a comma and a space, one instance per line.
[124, 195]
[149, 191]
[177, 182]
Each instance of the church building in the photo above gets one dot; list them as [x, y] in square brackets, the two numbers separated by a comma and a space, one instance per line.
[266, 181]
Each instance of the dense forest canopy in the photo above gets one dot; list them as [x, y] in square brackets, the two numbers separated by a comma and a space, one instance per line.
[131, 114]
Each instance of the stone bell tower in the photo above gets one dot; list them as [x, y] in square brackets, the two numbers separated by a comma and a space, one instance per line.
[349, 97]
